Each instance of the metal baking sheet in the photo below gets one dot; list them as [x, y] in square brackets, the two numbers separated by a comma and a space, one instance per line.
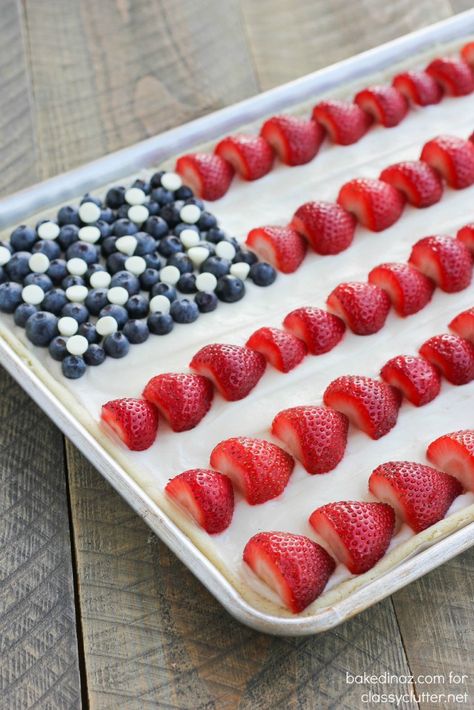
[20, 206]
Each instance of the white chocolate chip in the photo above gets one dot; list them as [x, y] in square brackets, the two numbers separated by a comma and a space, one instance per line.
[126, 244]
[77, 293]
[198, 255]
[189, 238]
[240, 270]
[100, 279]
[135, 196]
[89, 212]
[190, 214]
[77, 345]
[206, 282]
[170, 275]
[38, 263]
[117, 295]
[225, 250]
[171, 181]
[106, 326]
[48, 230]
[89, 234]
[67, 326]
[33, 294]
[136, 265]
[76, 266]
[5, 256]
[160, 303]
[138, 214]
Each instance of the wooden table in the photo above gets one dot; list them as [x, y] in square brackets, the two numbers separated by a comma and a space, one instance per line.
[94, 610]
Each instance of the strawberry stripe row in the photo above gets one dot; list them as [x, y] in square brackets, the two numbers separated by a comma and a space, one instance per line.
[296, 141]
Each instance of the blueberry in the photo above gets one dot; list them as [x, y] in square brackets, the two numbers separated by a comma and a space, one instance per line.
[17, 268]
[68, 215]
[54, 301]
[155, 180]
[161, 196]
[68, 235]
[22, 238]
[10, 296]
[88, 330]
[149, 278]
[108, 246]
[156, 227]
[182, 262]
[161, 289]
[71, 280]
[153, 208]
[106, 215]
[115, 197]
[104, 228]
[230, 289]
[3, 275]
[116, 262]
[93, 269]
[146, 244]
[183, 193]
[196, 201]
[160, 323]
[41, 328]
[169, 245]
[184, 311]
[216, 265]
[142, 185]
[73, 367]
[49, 247]
[122, 212]
[23, 312]
[136, 331]
[137, 306]
[208, 222]
[57, 348]
[94, 355]
[78, 311]
[83, 250]
[126, 280]
[124, 226]
[153, 261]
[206, 302]
[118, 312]
[170, 212]
[90, 198]
[57, 270]
[187, 283]
[208, 245]
[245, 256]
[96, 299]
[116, 345]
[182, 226]
[214, 234]
[262, 274]
[41, 280]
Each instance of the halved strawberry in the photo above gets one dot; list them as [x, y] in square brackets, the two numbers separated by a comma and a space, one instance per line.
[295, 140]
[418, 181]
[420, 495]
[363, 306]
[250, 156]
[463, 324]
[320, 330]
[385, 104]
[369, 404]
[316, 436]
[452, 74]
[208, 175]
[415, 377]
[376, 204]
[357, 533]
[283, 247]
[453, 158]
[234, 370]
[259, 469]
[466, 236]
[454, 453]
[408, 289]
[294, 566]
[445, 260]
[345, 122]
[327, 226]
[467, 54]
[134, 420]
[206, 496]
[281, 349]
[183, 399]
[453, 355]
[418, 87]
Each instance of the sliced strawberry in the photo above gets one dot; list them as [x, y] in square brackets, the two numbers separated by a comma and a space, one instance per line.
[417, 379]
[466, 236]
[295, 140]
[316, 436]
[283, 247]
[453, 158]
[234, 370]
[259, 469]
[384, 103]
[467, 54]
[369, 404]
[206, 496]
[320, 330]
[418, 181]
[134, 420]
[418, 87]
[328, 227]
[363, 307]
[358, 534]
[454, 453]
[453, 355]
[453, 75]
[376, 204]
[250, 156]
[283, 350]
[463, 324]
[445, 260]
[408, 289]
[420, 495]
[182, 399]
[208, 175]
[344, 121]
[295, 567]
